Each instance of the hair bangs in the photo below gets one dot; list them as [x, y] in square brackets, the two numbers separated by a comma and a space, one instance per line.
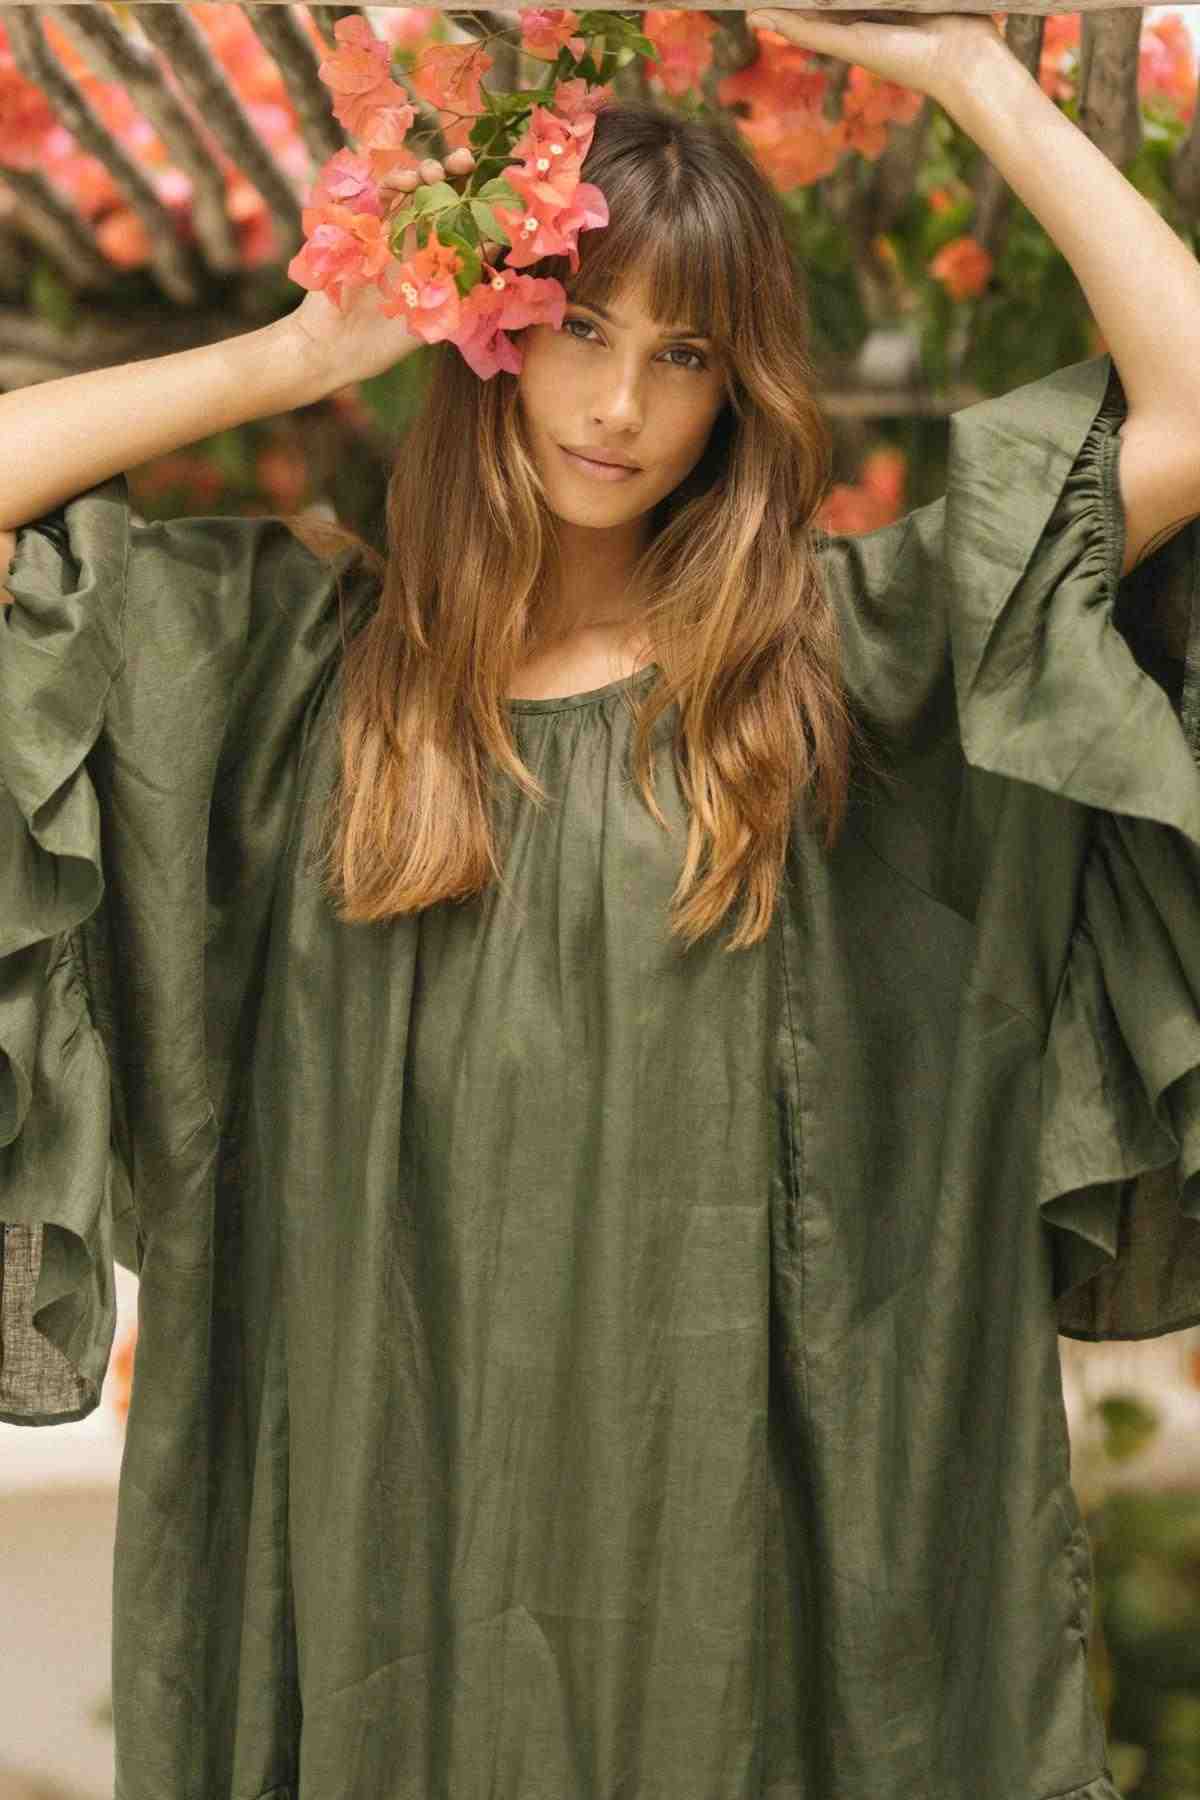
[669, 226]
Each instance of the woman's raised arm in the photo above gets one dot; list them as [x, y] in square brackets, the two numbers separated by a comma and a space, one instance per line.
[59, 438]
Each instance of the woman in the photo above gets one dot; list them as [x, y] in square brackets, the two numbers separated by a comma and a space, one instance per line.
[615, 1039]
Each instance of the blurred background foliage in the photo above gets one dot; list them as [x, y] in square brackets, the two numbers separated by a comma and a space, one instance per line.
[1134, 1413]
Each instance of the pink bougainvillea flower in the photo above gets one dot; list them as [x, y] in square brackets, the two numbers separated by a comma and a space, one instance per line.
[343, 249]
[1058, 68]
[586, 211]
[683, 41]
[546, 179]
[870, 105]
[448, 77]
[1167, 64]
[963, 266]
[545, 31]
[118, 1383]
[348, 179]
[876, 499]
[421, 290]
[480, 339]
[785, 126]
[122, 237]
[883, 474]
[27, 114]
[574, 98]
[506, 302]
[561, 139]
[551, 228]
[371, 106]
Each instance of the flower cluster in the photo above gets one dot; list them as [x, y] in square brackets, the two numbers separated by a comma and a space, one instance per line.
[425, 247]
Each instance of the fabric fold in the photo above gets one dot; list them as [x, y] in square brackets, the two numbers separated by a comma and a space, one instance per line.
[60, 651]
[155, 683]
[1061, 683]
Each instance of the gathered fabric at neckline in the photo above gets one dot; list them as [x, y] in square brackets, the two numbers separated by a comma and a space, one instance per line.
[589, 696]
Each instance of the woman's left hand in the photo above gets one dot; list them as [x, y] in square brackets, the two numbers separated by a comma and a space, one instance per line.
[931, 52]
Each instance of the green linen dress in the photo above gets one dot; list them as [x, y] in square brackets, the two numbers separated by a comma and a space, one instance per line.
[571, 1368]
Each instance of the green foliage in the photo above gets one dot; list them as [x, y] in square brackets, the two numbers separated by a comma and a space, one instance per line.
[826, 268]
[1146, 1557]
[1033, 316]
[230, 452]
[394, 396]
[1129, 1424]
[51, 299]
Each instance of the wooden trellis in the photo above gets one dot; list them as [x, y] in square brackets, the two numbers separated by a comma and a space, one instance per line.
[200, 281]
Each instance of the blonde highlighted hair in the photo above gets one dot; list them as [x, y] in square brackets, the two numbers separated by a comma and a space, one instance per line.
[727, 585]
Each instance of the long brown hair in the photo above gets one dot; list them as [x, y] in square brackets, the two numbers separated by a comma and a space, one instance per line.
[728, 584]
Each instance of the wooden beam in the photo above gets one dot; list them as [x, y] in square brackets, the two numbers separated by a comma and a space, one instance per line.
[1110, 112]
[1041, 8]
[117, 56]
[174, 264]
[176, 36]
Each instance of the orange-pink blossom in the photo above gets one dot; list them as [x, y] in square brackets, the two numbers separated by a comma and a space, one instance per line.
[547, 30]
[358, 73]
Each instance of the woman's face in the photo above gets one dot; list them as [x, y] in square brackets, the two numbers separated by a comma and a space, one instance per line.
[620, 384]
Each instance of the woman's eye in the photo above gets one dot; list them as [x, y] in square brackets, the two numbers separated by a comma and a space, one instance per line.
[698, 361]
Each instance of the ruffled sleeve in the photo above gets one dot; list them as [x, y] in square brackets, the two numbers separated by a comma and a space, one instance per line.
[1062, 683]
[60, 1188]
[156, 681]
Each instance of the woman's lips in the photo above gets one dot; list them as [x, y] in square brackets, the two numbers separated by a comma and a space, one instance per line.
[599, 471]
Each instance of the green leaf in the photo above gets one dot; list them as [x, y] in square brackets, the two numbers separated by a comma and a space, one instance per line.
[394, 395]
[397, 231]
[231, 455]
[51, 299]
[498, 189]
[486, 132]
[486, 220]
[436, 197]
[1129, 1424]
[461, 221]
[472, 262]
[509, 105]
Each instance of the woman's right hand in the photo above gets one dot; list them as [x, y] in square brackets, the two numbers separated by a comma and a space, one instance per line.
[361, 341]
[350, 345]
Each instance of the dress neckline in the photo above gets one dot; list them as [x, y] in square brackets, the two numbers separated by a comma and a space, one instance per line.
[589, 697]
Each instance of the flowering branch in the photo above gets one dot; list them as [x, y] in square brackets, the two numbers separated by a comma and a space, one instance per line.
[522, 200]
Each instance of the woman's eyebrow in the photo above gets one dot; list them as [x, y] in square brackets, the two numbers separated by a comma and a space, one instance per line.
[673, 331]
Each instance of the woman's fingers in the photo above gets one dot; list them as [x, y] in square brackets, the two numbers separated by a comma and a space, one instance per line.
[429, 170]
